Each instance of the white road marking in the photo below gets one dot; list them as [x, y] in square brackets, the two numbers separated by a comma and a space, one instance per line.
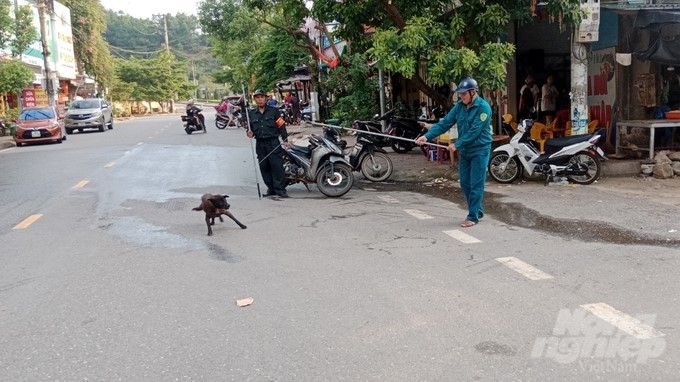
[140, 143]
[523, 268]
[462, 237]
[388, 199]
[369, 189]
[110, 164]
[81, 184]
[628, 324]
[28, 221]
[418, 214]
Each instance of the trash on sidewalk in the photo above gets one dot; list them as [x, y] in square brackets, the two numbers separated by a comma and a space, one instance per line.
[244, 302]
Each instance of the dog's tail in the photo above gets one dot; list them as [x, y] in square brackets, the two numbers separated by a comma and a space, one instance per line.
[199, 208]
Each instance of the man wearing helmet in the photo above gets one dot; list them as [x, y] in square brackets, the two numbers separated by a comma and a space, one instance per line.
[472, 114]
[267, 125]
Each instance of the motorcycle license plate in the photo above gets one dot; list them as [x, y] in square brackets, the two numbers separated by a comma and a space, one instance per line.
[35, 134]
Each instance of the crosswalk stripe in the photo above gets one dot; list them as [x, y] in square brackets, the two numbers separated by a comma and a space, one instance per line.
[462, 237]
[628, 324]
[28, 221]
[388, 199]
[110, 164]
[418, 214]
[523, 268]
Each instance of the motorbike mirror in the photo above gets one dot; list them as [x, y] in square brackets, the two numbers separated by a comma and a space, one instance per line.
[376, 116]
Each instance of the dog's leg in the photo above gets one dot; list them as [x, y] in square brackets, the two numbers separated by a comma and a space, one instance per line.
[207, 222]
[212, 221]
[234, 219]
[222, 220]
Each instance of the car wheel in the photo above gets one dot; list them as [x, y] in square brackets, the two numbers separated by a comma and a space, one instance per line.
[58, 140]
[102, 128]
[19, 144]
[69, 131]
[111, 124]
[80, 130]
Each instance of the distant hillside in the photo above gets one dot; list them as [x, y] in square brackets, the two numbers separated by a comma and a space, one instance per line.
[131, 37]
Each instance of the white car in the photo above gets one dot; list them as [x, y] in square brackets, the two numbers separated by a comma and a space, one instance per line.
[88, 113]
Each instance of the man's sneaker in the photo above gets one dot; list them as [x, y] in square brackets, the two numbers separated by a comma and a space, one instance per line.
[283, 195]
[269, 193]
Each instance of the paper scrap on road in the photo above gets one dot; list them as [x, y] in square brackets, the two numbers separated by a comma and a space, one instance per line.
[244, 301]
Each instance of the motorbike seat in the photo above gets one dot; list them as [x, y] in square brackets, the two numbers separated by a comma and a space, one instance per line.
[556, 144]
[299, 148]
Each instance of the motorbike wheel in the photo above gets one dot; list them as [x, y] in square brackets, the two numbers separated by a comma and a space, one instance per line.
[221, 124]
[335, 180]
[188, 130]
[376, 167]
[594, 167]
[504, 169]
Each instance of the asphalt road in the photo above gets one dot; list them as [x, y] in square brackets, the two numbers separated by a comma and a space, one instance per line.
[112, 277]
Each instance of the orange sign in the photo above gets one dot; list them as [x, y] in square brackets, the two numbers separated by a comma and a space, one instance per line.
[41, 97]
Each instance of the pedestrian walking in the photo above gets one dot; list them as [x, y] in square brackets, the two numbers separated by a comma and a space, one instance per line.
[472, 114]
[267, 126]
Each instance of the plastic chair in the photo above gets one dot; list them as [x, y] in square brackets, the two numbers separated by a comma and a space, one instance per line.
[592, 126]
[540, 133]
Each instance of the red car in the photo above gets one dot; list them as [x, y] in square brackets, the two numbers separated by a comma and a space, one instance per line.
[39, 124]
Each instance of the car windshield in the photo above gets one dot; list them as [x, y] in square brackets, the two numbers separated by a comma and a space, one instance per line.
[84, 104]
[32, 114]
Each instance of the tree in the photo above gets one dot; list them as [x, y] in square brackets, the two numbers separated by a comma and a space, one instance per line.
[91, 50]
[14, 76]
[453, 38]
[354, 86]
[276, 59]
[18, 32]
[155, 79]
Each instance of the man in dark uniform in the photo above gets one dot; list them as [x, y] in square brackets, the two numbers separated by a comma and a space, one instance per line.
[267, 125]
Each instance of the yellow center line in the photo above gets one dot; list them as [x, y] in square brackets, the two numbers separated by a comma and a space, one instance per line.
[81, 184]
[110, 164]
[28, 221]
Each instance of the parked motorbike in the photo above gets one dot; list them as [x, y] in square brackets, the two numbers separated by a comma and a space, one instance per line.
[366, 155]
[405, 128]
[194, 120]
[576, 157]
[321, 162]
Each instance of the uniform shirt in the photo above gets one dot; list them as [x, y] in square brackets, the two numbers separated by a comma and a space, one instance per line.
[264, 124]
[473, 125]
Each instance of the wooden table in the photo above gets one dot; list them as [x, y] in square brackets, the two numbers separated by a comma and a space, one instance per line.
[652, 125]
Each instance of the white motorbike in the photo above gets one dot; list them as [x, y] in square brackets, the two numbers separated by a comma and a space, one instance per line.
[576, 157]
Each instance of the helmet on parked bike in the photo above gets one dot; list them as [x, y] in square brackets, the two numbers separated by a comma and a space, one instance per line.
[467, 83]
[259, 92]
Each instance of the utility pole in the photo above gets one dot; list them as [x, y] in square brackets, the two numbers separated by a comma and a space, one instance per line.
[167, 40]
[49, 85]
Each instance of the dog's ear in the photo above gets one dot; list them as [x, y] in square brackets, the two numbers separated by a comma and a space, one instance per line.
[225, 195]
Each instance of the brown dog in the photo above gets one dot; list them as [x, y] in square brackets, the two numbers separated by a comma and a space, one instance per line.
[214, 206]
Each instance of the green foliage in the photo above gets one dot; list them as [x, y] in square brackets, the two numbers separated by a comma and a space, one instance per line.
[91, 51]
[157, 79]
[355, 90]
[24, 31]
[6, 23]
[14, 76]
[16, 33]
[276, 59]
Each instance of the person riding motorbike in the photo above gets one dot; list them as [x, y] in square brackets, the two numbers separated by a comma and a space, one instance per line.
[195, 111]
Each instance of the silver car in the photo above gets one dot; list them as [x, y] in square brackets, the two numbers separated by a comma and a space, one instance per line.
[88, 113]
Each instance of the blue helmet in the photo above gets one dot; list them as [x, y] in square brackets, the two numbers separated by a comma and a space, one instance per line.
[467, 83]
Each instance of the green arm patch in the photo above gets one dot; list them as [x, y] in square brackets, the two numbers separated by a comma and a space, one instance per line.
[483, 117]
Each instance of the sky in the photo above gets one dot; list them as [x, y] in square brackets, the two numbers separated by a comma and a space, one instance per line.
[147, 8]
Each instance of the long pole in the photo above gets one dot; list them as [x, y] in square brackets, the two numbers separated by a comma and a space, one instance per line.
[377, 134]
[252, 148]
